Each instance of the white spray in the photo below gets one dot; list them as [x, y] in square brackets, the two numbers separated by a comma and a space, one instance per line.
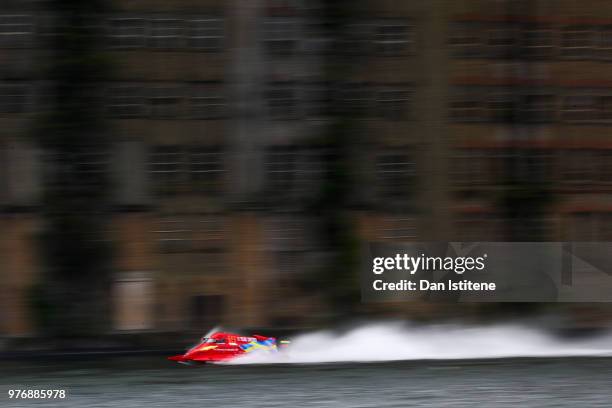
[393, 342]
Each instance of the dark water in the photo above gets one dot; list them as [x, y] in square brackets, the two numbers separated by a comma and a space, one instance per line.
[153, 382]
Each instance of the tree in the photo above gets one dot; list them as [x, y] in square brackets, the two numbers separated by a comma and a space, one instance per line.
[72, 296]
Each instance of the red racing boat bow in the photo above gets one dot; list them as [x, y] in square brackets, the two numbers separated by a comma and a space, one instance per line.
[223, 347]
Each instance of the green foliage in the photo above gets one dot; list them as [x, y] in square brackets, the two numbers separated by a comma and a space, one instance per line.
[71, 300]
[333, 206]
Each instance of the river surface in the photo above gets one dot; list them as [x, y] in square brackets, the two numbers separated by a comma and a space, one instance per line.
[151, 381]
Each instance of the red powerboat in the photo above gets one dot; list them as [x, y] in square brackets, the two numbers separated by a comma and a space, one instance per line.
[222, 347]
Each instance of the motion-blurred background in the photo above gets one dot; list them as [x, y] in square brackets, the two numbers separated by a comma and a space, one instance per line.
[167, 166]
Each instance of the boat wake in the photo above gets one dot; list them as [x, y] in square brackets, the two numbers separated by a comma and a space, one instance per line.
[396, 342]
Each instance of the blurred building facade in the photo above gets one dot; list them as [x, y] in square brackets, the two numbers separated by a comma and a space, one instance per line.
[217, 110]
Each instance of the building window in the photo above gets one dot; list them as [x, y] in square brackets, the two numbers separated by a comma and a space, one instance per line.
[87, 167]
[357, 39]
[290, 7]
[605, 108]
[394, 38]
[166, 33]
[181, 233]
[292, 243]
[399, 229]
[580, 107]
[317, 39]
[396, 174]
[126, 101]
[281, 35]
[471, 167]
[393, 103]
[356, 100]
[206, 169]
[133, 301]
[166, 167]
[206, 310]
[580, 167]
[47, 28]
[605, 42]
[91, 165]
[165, 103]
[483, 167]
[589, 226]
[588, 106]
[207, 101]
[294, 172]
[281, 168]
[502, 106]
[528, 166]
[177, 169]
[539, 108]
[46, 96]
[478, 228]
[466, 39]
[206, 34]
[16, 31]
[539, 42]
[468, 105]
[128, 32]
[209, 233]
[282, 101]
[529, 228]
[502, 42]
[173, 234]
[577, 42]
[317, 100]
[14, 98]
[474, 104]
[286, 234]
[310, 171]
